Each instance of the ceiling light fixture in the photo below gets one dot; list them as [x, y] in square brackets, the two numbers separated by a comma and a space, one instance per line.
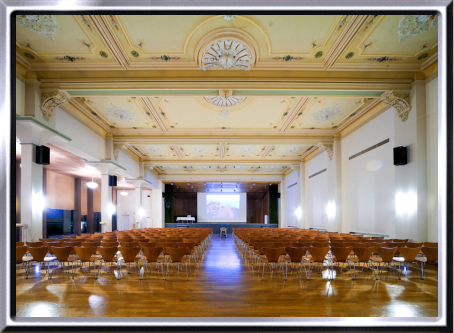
[124, 193]
[92, 184]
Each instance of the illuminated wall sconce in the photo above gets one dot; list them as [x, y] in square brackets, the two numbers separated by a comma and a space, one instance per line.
[38, 202]
[299, 213]
[141, 212]
[406, 203]
[111, 209]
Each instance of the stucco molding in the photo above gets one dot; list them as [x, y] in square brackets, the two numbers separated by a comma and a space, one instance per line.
[400, 101]
[50, 100]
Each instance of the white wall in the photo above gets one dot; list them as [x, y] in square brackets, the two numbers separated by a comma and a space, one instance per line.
[293, 202]
[432, 157]
[85, 143]
[368, 180]
[127, 162]
[318, 197]
[20, 97]
[126, 206]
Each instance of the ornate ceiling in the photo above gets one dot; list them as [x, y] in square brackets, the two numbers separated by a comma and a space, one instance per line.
[141, 80]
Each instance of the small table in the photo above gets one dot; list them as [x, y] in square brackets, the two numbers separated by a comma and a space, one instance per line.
[192, 219]
[223, 230]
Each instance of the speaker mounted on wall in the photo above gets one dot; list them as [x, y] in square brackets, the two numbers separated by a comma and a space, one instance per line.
[168, 205]
[163, 195]
[112, 180]
[400, 155]
[42, 155]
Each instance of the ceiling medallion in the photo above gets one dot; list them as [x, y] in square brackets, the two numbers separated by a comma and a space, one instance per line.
[228, 18]
[41, 24]
[327, 113]
[292, 149]
[199, 149]
[227, 54]
[245, 149]
[413, 25]
[154, 149]
[224, 113]
[121, 113]
[225, 99]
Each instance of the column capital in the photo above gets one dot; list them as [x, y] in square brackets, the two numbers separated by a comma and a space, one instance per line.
[328, 147]
[117, 147]
[400, 101]
[295, 167]
[51, 99]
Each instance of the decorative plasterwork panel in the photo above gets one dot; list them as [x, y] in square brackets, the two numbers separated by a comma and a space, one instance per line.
[327, 113]
[41, 24]
[400, 101]
[225, 101]
[328, 148]
[121, 113]
[199, 149]
[117, 148]
[50, 100]
[155, 150]
[413, 25]
[227, 54]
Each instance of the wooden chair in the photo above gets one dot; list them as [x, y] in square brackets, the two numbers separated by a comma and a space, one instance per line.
[340, 255]
[295, 256]
[20, 244]
[85, 255]
[108, 254]
[408, 256]
[20, 253]
[272, 256]
[363, 255]
[430, 244]
[62, 255]
[317, 244]
[38, 254]
[34, 244]
[151, 255]
[386, 255]
[317, 255]
[129, 255]
[177, 256]
[430, 257]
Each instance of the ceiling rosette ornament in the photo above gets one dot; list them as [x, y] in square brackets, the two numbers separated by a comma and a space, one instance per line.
[41, 24]
[227, 53]
[245, 149]
[292, 149]
[225, 101]
[327, 113]
[413, 25]
[121, 113]
[154, 149]
[199, 149]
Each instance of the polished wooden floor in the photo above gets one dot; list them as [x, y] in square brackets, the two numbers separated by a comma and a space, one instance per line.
[225, 286]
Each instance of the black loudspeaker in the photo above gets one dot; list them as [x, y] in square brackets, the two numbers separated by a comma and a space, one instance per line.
[400, 155]
[163, 195]
[168, 205]
[112, 180]
[42, 155]
[278, 195]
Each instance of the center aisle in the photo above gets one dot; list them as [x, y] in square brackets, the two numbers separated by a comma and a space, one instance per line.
[224, 285]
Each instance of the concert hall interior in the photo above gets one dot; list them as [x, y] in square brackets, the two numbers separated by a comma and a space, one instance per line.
[211, 165]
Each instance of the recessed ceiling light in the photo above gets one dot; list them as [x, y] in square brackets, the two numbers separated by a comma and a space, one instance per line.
[253, 184]
[188, 184]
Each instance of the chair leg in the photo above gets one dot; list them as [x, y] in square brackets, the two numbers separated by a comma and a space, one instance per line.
[187, 277]
[263, 273]
[354, 270]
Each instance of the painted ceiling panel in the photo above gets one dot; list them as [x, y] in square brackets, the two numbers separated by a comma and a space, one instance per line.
[296, 33]
[121, 112]
[188, 113]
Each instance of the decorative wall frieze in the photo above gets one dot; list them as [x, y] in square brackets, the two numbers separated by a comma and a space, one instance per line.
[328, 147]
[295, 167]
[399, 101]
[50, 100]
[119, 147]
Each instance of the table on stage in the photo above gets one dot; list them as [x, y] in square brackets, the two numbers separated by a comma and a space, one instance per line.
[187, 219]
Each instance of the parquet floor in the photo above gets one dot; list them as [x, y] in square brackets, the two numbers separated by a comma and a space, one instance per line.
[225, 286]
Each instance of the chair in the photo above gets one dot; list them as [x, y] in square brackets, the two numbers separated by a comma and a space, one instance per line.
[430, 244]
[408, 256]
[108, 254]
[413, 245]
[152, 255]
[128, 244]
[363, 255]
[340, 255]
[317, 254]
[20, 244]
[20, 253]
[38, 254]
[177, 256]
[34, 244]
[295, 256]
[386, 255]
[272, 256]
[62, 255]
[129, 255]
[85, 255]
[430, 257]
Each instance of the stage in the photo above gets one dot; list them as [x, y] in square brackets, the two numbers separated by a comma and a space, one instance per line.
[217, 226]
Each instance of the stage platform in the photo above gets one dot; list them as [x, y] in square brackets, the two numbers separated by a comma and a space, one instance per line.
[217, 226]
